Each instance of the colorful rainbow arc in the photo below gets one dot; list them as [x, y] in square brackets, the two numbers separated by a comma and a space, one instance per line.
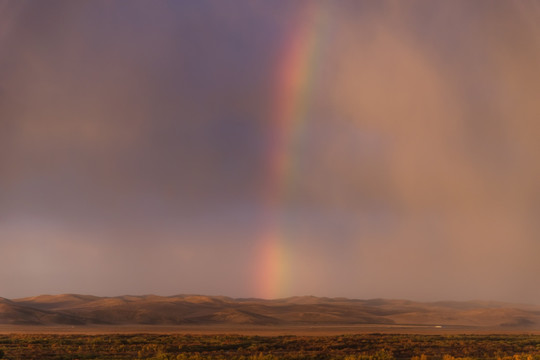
[296, 77]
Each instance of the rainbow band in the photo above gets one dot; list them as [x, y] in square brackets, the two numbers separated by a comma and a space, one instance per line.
[293, 95]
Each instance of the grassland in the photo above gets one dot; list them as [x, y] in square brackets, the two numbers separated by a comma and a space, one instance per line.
[242, 347]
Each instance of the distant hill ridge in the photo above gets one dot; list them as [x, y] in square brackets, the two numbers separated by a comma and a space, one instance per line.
[74, 309]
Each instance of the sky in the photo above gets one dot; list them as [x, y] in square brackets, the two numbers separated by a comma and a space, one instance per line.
[247, 148]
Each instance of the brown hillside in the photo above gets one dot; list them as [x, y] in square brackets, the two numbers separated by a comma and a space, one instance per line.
[305, 310]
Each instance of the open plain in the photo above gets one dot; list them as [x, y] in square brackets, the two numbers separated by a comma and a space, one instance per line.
[74, 326]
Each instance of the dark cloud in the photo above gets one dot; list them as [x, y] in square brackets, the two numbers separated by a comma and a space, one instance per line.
[135, 141]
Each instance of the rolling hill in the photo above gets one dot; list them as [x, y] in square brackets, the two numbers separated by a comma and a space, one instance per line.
[75, 309]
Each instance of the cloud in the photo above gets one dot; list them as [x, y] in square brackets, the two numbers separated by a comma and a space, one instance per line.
[141, 133]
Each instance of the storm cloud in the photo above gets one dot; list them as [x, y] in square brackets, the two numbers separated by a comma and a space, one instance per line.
[135, 140]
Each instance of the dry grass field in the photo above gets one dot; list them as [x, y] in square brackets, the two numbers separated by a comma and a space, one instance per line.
[243, 347]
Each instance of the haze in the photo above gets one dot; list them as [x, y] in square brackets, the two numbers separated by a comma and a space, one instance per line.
[137, 141]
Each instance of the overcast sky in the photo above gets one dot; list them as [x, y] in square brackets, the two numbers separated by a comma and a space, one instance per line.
[137, 140]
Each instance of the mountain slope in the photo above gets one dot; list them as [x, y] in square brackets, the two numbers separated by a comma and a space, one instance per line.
[306, 310]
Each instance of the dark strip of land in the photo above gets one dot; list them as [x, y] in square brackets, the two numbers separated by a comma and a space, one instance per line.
[241, 347]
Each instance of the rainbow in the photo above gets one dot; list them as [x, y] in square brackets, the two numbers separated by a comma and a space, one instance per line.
[293, 92]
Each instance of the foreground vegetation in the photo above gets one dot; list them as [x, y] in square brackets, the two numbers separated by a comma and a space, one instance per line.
[237, 347]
